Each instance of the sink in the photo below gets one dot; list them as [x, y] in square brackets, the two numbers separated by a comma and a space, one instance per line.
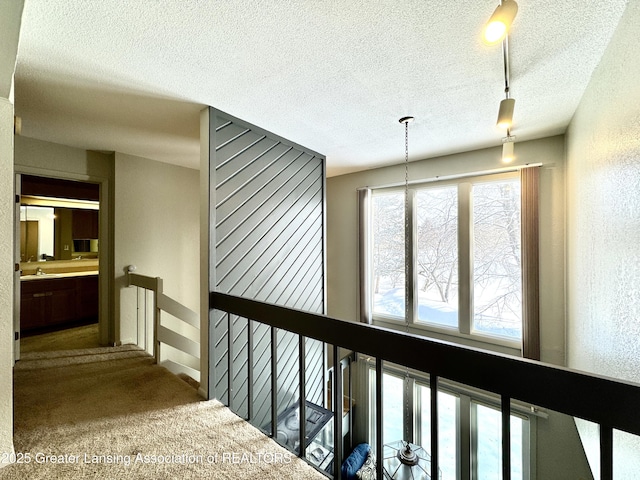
[41, 275]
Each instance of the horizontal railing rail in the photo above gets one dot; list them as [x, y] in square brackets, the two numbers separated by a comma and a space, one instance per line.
[164, 335]
[611, 403]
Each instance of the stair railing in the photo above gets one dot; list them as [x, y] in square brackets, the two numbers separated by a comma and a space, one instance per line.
[610, 403]
[163, 304]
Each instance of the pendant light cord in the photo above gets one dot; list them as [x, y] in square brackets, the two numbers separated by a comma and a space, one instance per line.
[407, 256]
[407, 252]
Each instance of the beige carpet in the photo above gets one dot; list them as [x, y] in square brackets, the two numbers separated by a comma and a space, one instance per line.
[85, 336]
[110, 413]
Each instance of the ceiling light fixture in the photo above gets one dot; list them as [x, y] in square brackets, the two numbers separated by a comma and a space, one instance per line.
[508, 143]
[505, 13]
[505, 113]
[498, 25]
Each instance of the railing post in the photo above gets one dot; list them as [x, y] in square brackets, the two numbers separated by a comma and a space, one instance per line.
[350, 397]
[606, 453]
[138, 342]
[274, 382]
[379, 420]
[505, 404]
[145, 320]
[303, 395]
[433, 386]
[250, 369]
[337, 413]
[230, 363]
[156, 319]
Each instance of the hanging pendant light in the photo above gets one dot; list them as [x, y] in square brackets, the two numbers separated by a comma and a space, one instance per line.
[406, 461]
[401, 459]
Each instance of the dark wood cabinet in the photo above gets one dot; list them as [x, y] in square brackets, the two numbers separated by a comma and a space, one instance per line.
[84, 224]
[58, 301]
[87, 297]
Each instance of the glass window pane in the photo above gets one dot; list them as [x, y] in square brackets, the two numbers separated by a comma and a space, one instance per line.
[517, 454]
[437, 255]
[392, 405]
[388, 254]
[497, 283]
[447, 429]
[489, 444]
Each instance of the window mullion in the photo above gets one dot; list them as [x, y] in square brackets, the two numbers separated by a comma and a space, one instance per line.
[465, 441]
[465, 257]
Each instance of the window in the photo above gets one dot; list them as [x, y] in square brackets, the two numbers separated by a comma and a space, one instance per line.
[497, 266]
[488, 440]
[388, 254]
[448, 426]
[464, 256]
[437, 255]
[469, 426]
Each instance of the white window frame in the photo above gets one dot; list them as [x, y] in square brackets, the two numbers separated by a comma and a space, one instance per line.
[467, 400]
[464, 333]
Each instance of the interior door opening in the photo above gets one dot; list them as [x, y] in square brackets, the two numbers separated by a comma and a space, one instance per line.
[59, 265]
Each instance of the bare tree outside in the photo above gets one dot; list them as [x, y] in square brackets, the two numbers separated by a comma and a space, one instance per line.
[437, 255]
[497, 266]
[388, 254]
[496, 257]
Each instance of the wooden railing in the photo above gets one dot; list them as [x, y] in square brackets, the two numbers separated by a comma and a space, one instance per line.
[161, 334]
[610, 403]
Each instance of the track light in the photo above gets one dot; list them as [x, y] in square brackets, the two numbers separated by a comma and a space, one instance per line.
[508, 143]
[505, 113]
[498, 25]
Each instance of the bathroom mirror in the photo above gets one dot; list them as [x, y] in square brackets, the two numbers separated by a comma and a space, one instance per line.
[62, 230]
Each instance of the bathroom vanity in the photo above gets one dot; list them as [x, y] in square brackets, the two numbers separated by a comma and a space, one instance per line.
[50, 300]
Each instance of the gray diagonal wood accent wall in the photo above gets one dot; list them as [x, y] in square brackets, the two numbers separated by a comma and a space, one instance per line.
[269, 245]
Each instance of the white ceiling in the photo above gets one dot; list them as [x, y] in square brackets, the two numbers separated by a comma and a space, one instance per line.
[332, 75]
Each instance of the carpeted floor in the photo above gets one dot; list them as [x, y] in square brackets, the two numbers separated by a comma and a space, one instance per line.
[110, 413]
[74, 338]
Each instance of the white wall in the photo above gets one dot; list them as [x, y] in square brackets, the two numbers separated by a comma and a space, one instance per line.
[342, 228]
[603, 224]
[156, 228]
[10, 19]
[6, 276]
[37, 157]
[10, 22]
[53, 159]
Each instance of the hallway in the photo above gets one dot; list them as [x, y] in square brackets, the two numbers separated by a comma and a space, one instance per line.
[108, 413]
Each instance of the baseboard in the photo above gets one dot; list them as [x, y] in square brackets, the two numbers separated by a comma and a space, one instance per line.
[202, 393]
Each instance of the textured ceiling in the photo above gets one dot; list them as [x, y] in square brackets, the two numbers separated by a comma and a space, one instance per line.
[333, 75]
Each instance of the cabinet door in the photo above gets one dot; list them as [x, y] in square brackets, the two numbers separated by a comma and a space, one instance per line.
[33, 310]
[88, 305]
[48, 302]
[63, 306]
[85, 224]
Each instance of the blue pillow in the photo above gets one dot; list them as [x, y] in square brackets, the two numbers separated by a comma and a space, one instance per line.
[354, 462]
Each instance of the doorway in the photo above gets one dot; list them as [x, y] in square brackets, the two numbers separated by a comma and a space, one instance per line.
[59, 264]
